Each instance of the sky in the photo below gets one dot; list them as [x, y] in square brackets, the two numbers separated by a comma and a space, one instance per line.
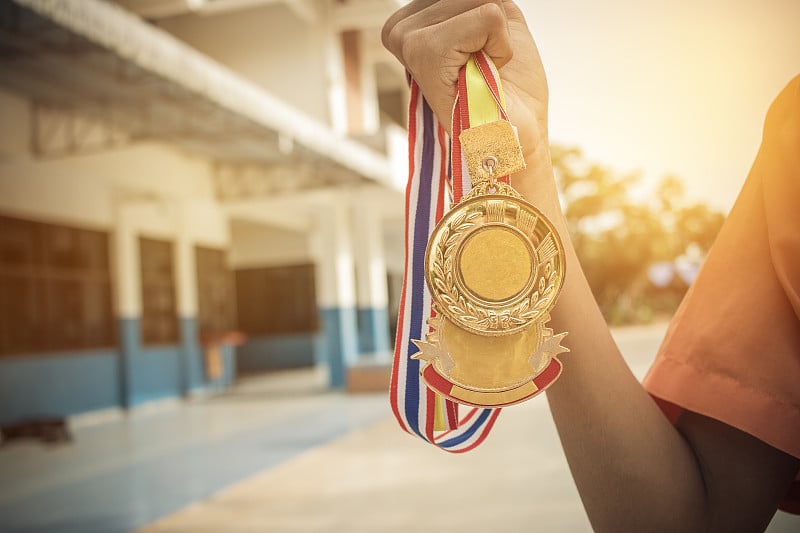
[679, 87]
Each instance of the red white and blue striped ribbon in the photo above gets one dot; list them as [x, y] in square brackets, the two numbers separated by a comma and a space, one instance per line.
[433, 181]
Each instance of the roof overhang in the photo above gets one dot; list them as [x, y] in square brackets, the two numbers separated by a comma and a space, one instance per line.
[100, 60]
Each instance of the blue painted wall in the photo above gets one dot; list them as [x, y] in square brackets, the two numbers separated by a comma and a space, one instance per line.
[229, 362]
[69, 383]
[275, 352]
[146, 373]
[156, 374]
[337, 345]
[373, 330]
[345, 333]
[58, 384]
[192, 364]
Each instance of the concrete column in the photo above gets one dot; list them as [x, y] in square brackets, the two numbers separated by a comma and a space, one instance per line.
[127, 279]
[337, 344]
[373, 312]
[191, 363]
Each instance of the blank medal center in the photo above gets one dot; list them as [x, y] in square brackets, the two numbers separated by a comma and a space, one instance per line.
[495, 264]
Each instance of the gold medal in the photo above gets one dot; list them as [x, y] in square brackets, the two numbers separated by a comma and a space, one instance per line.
[494, 266]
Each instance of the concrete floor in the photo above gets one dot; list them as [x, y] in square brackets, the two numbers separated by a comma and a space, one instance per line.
[282, 455]
[377, 479]
[122, 474]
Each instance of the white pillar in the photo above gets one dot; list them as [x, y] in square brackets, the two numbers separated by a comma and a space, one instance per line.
[127, 273]
[373, 313]
[185, 272]
[185, 267]
[128, 304]
[335, 290]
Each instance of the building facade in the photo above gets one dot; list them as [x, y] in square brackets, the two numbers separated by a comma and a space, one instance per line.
[191, 191]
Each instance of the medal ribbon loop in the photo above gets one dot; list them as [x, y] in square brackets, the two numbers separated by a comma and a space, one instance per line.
[438, 175]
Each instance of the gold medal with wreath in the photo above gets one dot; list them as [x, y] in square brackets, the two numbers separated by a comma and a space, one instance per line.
[494, 263]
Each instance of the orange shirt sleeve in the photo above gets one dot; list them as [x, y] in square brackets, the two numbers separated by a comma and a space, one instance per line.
[732, 351]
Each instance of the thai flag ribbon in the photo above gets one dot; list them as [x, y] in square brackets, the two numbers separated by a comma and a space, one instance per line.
[437, 178]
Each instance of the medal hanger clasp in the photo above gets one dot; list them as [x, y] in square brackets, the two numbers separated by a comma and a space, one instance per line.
[489, 164]
[494, 140]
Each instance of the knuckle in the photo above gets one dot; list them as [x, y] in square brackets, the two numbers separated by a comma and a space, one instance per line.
[388, 26]
[397, 40]
[390, 41]
[413, 48]
[492, 14]
[385, 31]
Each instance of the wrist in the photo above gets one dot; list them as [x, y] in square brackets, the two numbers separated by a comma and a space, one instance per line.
[537, 184]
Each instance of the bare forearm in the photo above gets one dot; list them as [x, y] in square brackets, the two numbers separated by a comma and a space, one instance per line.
[634, 471]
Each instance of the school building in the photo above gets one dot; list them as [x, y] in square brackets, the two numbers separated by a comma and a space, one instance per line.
[191, 191]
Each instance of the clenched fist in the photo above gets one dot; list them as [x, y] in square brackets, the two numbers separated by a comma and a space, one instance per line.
[433, 39]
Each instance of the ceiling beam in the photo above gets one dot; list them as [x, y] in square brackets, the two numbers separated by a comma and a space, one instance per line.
[183, 70]
[306, 10]
[159, 9]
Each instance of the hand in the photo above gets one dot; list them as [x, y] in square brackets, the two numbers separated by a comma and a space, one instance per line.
[433, 39]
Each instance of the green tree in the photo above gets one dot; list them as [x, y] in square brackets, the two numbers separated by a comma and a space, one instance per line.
[618, 239]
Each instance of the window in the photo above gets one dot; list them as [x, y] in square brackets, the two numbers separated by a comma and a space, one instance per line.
[159, 316]
[276, 300]
[214, 292]
[55, 288]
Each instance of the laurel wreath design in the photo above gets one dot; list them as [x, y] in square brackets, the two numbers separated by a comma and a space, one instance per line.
[477, 317]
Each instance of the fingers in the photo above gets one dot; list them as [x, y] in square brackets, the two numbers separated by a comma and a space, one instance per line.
[427, 14]
[448, 44]
[483, 28]
[437, 39]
